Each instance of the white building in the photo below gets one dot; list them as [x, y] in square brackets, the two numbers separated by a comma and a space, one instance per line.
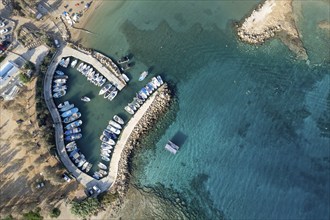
[7, 70]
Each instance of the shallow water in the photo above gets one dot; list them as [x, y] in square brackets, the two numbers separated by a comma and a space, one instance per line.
[252, 122]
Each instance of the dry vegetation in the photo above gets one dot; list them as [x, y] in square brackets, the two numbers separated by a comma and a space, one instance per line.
[27, 158]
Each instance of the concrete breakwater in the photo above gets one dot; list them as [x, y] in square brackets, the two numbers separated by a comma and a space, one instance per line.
[159, 106]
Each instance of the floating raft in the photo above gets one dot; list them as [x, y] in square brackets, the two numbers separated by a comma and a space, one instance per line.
[171, 147]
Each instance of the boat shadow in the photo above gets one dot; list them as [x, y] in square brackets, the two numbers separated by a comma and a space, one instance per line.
[179, 138]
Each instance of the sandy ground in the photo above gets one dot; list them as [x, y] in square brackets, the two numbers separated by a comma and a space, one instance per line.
[273, 18]
[324, 25]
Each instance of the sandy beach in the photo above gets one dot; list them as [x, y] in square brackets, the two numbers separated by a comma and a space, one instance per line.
[273, 18]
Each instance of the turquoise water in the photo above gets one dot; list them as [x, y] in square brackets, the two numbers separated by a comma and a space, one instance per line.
[252, 122]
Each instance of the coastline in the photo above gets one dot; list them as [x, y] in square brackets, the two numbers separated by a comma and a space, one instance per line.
[272, 18]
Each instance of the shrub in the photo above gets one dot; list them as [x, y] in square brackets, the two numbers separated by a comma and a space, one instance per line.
[24, 78]
[29, 66]
[32, 215]
[85, 208]
[107, 198]
[55, 212]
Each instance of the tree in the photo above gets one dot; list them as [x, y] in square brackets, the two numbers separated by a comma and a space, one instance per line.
[85, 208]
[55, 212]
[29, 66]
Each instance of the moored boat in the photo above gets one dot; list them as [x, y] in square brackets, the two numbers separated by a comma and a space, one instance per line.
[102, 166]
[59, 88]
[72, 131]
[125, 77]
[124, 59]
[84, 166]
[105, 158]
[66, 108]
[107, 140]
[81, 162]
[110, 134]
[113, 129]
[69, 112]
[112, 95]
[143, 75]
[61, 105]
[129, 110]
[160, 80]
[103, 172]
[59, 94]
[59, 73]
[59, 80]
[118, 119]
[74, 63]
[88, 168]
[74, 124]
[73, 137]
[115, 124]
[155, 81]
[72, 118]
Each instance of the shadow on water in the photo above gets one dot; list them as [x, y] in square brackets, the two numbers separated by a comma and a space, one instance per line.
[179, 138]
[150, 69]
[90, 95]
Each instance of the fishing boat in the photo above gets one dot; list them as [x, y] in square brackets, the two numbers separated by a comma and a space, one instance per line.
[72, 131]
[61, 105]
[143, 75]
[160, 80]
[59, 73]
[124, 59]
[59, 88]
[105, 158]
[118, 119]
[125, 77]
[88, 168]
[74, 124]
[102, 166]
[72, 118]
[129, 110]
[73, 137]
[112, 95]
[74, 63]
[66, 108]
[107, 140]
[85, 99]
[69, 112]
[113, 129]
[115, 124]
[59, 94]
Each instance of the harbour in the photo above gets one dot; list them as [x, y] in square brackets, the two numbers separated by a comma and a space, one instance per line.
[81, 126]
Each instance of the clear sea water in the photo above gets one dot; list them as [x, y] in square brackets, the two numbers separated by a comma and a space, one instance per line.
[253, 122]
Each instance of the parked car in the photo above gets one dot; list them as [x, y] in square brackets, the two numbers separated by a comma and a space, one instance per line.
[96, 189]
[66, 177]
[3, 31]
[57, 43]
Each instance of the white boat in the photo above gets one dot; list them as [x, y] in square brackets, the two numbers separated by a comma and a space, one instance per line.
[81, 162]
[125, 77]
[102, 166]
[61, 105]
[66, 108]
[66, 62]
[74, 63]
[143, 75]
[103, 172]
[80, 66]
[85, 99]
[105, 88]
[106, 146]
[113, 129]
[107, 140]
[112, 95]
[118, 119]
[60, 81]
[155, 81]
[84, 166]
[102, 82]
[115, 124]
[88, 168]
[97, 175]
[129, 110]
[105, 151]
[107, 94]
[105, 158]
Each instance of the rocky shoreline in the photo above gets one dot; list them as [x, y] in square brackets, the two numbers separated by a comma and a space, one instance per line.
[272, 18]
[156, 110]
